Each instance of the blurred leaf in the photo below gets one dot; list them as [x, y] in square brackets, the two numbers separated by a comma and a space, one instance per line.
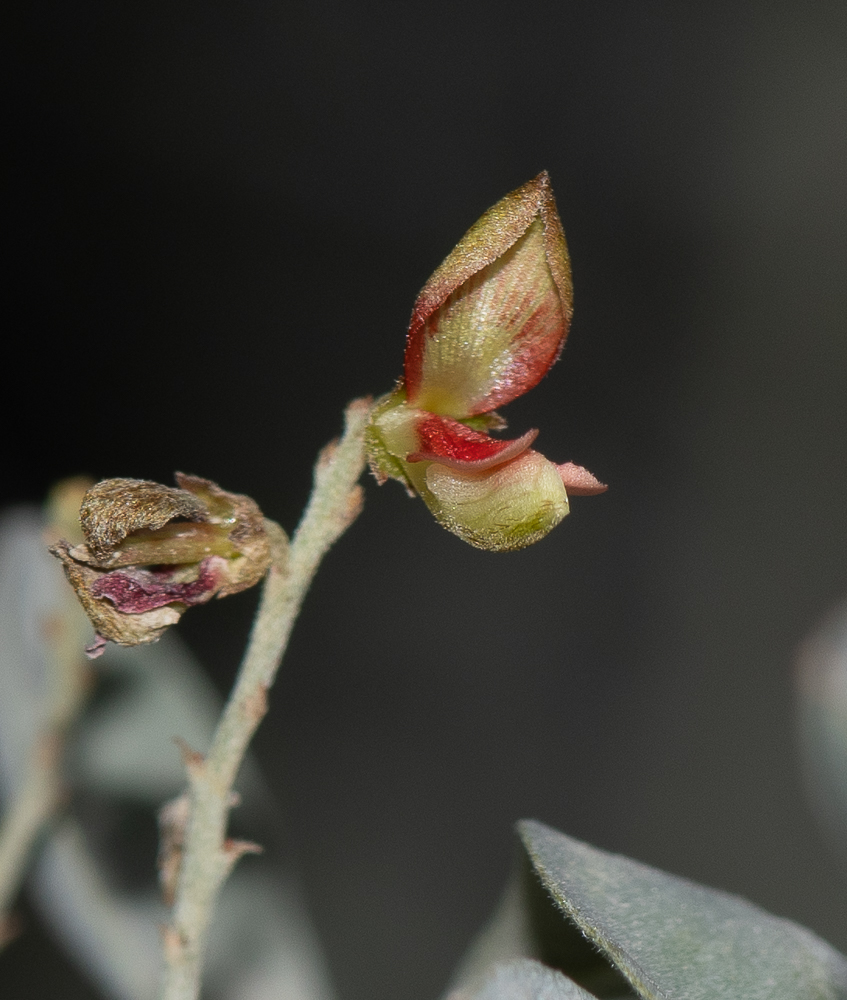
[123, 751]
[672, 938]
[31, 595]
[525, 980]
[112, 935]
[146, 699]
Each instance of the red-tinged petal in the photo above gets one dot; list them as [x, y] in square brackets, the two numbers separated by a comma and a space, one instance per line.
[134, 591]
[493, 318]
[579, 482]
[450, 443]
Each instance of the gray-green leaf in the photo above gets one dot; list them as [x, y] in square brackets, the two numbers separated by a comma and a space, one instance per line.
[674, 940]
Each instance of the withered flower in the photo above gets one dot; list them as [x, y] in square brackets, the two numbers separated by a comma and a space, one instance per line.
[486, 328]
[152, 551]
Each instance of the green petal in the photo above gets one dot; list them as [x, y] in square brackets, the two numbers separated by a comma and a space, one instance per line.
[501, 509]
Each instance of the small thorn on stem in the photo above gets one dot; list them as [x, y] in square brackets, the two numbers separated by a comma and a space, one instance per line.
[326, 455]
[192, 759]
[173, 941]
[173, 820]
[257, 703]
[235, 849]
[355, 502]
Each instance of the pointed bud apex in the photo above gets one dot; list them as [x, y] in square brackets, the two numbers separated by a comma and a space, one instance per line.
[152, 551]
[491, 321]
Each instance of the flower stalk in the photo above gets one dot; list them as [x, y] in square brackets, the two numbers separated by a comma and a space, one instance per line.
[207, 856]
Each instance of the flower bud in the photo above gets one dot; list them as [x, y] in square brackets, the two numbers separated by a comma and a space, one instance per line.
[486, 328]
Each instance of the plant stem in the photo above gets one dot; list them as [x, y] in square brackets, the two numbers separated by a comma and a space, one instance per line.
[39, 794]
[207, 856]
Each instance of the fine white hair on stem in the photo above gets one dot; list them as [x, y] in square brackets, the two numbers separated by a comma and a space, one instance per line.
[207, 856]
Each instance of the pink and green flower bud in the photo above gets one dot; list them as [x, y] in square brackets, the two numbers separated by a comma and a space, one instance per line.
[498, 495]
[486, 328]
[152, 551]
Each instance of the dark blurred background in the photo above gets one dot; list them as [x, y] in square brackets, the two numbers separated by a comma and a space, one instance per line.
[220, 215]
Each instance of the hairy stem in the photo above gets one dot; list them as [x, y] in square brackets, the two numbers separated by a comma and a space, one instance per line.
[207, 855]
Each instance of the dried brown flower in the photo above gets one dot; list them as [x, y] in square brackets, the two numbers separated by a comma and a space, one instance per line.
[152, 551]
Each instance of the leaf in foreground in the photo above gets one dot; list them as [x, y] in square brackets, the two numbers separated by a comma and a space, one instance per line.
[622, 929]
[672, 938]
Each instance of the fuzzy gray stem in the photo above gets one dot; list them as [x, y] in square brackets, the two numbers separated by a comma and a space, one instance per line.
[207, 855]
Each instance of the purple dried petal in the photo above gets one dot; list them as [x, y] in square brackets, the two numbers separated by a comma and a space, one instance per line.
[134, 591]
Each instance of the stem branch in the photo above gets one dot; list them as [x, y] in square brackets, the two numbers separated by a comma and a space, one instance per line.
[207, 856]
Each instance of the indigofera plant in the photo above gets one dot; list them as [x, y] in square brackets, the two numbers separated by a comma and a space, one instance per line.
[485, 329]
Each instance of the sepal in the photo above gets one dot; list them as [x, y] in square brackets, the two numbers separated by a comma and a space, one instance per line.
[385, 463]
